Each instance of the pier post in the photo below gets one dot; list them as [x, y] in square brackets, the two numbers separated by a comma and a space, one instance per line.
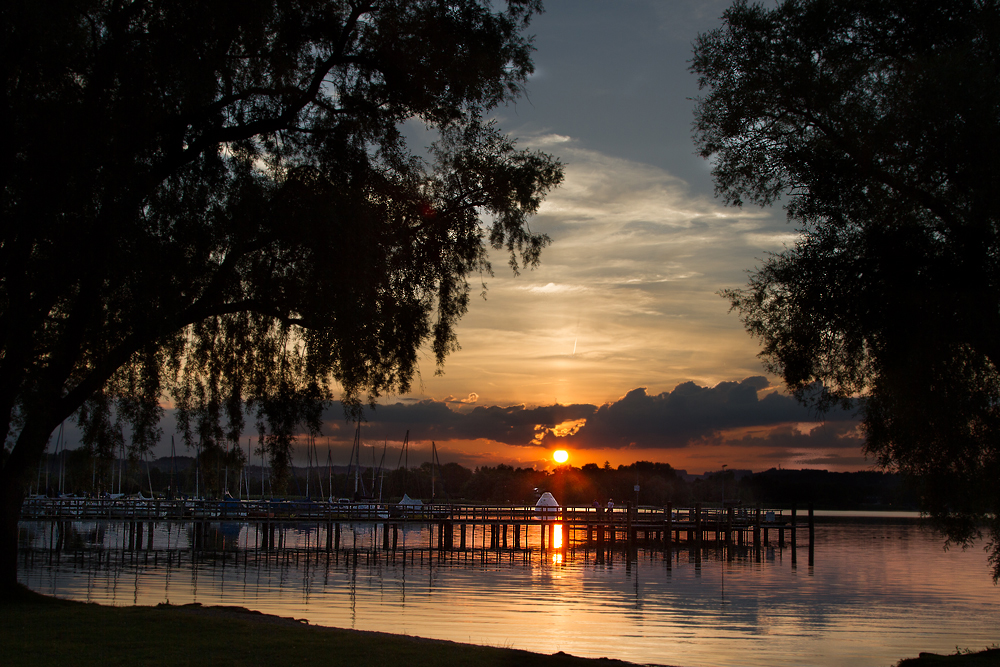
[461, 536]
[600, 528]
[336, 537]
[517, 536]
[385, 537]
[794, 559]
[697, 524]
[668, 521]
[630, 532]
[729, 525]
[812, 535]
[756, 528]
[395, 536]
[505, 536]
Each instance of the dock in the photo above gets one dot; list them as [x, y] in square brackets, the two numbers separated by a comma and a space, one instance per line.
[453, 527]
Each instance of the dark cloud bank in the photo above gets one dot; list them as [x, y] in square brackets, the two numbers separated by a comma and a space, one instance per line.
[688, 415]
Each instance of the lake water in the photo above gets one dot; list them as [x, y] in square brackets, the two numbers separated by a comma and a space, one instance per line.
[877, 592]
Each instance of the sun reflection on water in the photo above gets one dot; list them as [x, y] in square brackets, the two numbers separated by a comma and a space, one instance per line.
[876, 594]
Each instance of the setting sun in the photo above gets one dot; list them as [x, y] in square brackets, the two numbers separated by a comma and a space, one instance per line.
[561, 456]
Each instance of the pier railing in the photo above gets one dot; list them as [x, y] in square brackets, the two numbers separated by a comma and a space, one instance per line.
[152, 509]
[452, 527]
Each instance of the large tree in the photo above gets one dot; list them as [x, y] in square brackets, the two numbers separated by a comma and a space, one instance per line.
[213, 203]
[877, 124]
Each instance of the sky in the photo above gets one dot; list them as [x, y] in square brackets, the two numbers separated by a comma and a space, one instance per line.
[618, 346]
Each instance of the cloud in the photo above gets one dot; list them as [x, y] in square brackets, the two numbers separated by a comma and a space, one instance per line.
[435, 420]
[692, 414]
[735, 414]
[472, 398]
[626, 295]
[551, 288]
[827, 435]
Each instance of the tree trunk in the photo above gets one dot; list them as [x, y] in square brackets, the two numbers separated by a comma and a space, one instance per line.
[23, 458]
[11, 499]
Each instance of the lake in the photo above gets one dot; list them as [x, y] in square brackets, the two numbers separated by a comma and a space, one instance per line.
[881, 588]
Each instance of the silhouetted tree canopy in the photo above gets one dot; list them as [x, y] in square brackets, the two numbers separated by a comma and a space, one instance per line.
[212, 202]
[877, 124]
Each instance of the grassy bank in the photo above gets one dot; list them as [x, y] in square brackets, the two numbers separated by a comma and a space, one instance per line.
[37, 630]
[987, 658]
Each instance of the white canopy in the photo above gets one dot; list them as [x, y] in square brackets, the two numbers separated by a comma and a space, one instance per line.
[547, 500]
[410, 502]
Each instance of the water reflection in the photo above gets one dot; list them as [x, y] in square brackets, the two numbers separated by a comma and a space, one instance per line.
[874, 594]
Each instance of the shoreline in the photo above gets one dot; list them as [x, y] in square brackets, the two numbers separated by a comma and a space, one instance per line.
[37, 629]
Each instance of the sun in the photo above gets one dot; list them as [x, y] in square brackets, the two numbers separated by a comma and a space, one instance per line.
[561, 456]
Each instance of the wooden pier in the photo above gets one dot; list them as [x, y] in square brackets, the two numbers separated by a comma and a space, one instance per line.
[453, 527]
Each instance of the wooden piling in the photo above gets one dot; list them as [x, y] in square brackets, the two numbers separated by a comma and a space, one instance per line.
[756, 528]
[630, 532]
[812, 535]
[668, 521]
[792, 528]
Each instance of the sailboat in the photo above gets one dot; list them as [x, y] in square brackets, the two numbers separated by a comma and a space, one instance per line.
[363, 505]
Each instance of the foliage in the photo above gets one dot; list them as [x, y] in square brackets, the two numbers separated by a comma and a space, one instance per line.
[876, 123]
[214, 202]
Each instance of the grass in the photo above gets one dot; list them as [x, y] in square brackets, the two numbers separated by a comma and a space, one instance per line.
[961, 658]
[36, 630]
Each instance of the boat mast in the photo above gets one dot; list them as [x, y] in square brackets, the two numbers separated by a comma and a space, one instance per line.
[173, 464]
[61, 456]
[356, 448]
[381, 471]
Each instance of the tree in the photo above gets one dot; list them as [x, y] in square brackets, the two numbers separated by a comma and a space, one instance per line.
[877, 124]
[213, 203]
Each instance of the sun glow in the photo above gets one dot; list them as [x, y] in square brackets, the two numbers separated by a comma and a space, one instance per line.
[560, 456]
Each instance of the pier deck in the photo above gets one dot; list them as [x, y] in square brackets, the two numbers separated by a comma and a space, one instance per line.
[596, 526]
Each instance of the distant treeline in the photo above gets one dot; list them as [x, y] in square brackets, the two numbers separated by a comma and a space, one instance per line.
[658, 483]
